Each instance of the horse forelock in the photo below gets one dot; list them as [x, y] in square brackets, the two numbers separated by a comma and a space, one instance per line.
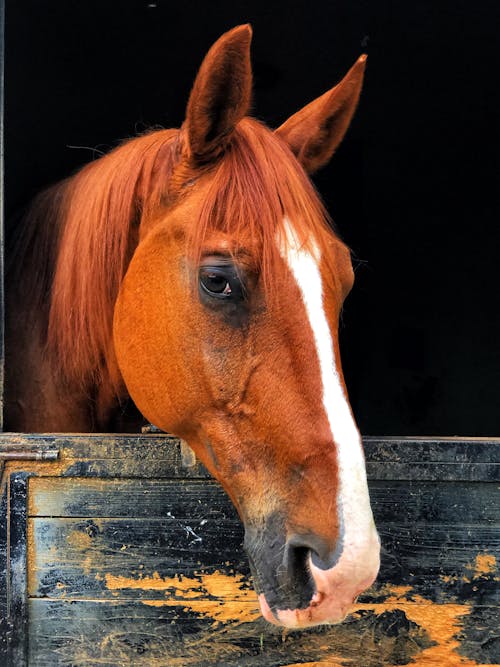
[255, 185]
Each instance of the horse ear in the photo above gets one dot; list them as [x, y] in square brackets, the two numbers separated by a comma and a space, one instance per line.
[220, 96]
[314, 132]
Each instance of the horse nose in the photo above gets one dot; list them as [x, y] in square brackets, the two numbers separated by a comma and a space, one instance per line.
[281, 565]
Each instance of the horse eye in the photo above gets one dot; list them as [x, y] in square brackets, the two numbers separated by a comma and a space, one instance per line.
[220, 282]
[215, 283]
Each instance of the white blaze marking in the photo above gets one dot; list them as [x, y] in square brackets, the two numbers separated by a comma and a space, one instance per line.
[354, 503]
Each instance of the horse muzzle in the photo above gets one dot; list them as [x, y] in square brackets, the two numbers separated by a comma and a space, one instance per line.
[301, 580]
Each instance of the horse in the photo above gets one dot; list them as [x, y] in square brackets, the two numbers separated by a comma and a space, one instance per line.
[195, 272]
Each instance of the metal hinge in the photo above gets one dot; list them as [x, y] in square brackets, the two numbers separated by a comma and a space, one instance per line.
[17, 454]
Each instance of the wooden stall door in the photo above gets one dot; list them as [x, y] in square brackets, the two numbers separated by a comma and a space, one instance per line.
[114, 550]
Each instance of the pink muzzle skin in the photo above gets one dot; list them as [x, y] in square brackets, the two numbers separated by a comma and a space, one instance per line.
[336, 592]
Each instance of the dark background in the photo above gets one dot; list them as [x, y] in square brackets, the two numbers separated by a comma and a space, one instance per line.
[413, 189]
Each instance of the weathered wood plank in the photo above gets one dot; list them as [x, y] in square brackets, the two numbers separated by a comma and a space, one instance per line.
[173, 636]
[431, 535]
[160, 456]
[121, 547]
[398, 501]
[414, 502]
[432, 450]
[444, 472]
[63, 497]
[377, 448]
[427, 459]
[4, 573]
[99, 446]
[193, 635]
[79, 558]
[104, 456]
[16, 580]
[100, 558]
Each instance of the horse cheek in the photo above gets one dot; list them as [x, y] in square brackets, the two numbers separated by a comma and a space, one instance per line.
[151, 337]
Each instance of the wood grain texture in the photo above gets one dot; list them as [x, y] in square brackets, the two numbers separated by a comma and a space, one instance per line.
[404, 502]
[136, 633]
[419, 459]
[136, 559]
[160, 526]
[181, 636]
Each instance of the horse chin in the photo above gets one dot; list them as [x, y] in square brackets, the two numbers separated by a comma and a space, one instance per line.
[317, 613]
[303, 618]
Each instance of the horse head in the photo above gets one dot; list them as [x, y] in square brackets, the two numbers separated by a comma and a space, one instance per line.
[226, 334]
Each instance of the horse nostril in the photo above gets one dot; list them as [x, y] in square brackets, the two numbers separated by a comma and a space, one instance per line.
[281, 569]
[295, 565]
[323, 557]
[281, 564]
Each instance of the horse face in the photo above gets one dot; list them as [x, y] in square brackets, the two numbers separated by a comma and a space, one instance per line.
[247, 373]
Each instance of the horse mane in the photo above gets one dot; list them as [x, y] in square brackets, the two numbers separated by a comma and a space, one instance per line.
[79, 236]
[83, 232]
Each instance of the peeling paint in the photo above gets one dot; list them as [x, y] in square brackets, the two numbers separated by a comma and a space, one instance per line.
[216, 595]
[483, 565]
[222, 601]
[220, 597]
[442, 622]
[79, 540]
[323, 663]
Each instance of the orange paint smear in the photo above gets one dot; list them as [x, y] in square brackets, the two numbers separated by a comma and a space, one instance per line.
[483, 565]
[322, 663]
[216, 595]
[81, 541]
[441, 622]
[30, 558]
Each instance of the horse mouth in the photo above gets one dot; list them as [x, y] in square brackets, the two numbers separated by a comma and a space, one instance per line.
[311, 597]
[309, 616]
[324, 608]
